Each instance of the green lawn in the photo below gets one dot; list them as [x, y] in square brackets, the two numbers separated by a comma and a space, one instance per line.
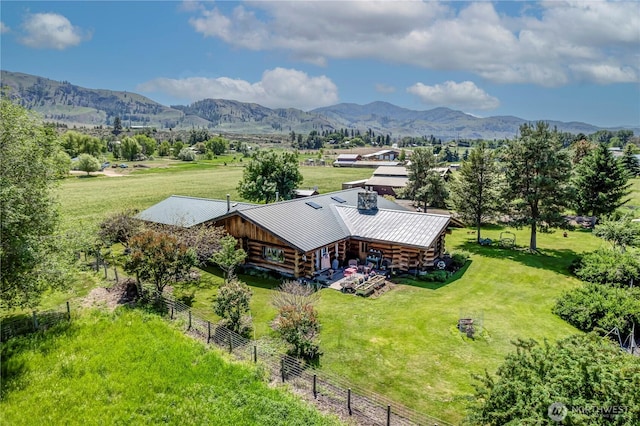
[130, 367]
[86, 201]
[404, 344]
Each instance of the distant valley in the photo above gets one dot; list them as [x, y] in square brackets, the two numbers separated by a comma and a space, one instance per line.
[64, 102]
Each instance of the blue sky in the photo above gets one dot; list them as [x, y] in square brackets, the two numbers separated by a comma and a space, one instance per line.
[554, 60]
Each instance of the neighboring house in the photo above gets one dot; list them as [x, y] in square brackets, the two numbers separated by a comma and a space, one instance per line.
[346, 160]
[301, 193]
[384, 155]
[301, 237]
[387, 180]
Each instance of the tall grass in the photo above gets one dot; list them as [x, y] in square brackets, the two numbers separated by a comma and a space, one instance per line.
[130, 367]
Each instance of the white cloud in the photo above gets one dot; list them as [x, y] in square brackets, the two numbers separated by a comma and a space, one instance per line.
[383, 88]
[278, 88]
[4, 28]
[547, 43]
[465, 95]
[51, 31]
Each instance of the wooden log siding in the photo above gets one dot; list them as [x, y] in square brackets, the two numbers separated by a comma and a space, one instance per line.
[404, 257]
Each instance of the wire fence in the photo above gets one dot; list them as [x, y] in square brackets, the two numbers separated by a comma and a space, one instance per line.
[324, 389]
[37, 321]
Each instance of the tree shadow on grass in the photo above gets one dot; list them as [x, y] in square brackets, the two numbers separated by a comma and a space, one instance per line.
[432, 285]
[13, 366]
[556, 260]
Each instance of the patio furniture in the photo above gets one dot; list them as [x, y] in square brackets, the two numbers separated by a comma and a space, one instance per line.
[350, 271]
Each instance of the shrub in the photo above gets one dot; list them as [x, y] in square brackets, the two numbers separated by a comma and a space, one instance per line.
[187, 154]
[459, 259]
[600, 306]
[297, 320]
[609, 267]
[436, 276]
[232, 304]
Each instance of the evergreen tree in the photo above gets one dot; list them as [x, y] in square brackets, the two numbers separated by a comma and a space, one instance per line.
[423, 186]
[630, 162]
[117, 126]
[475, 191]
[600, 183]
[537, 173]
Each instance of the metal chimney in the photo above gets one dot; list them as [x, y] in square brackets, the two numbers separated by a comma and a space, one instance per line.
[277, 196]
[228, 203]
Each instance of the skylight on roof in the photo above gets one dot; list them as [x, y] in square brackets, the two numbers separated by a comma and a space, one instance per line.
[338, 199]
[314, 205]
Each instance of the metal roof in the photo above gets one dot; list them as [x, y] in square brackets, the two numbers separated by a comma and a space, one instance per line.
[307, 227]
[393, 181]
[391, 171]
[348, 157]
[184, 211]
[401, 227]
[331, 217]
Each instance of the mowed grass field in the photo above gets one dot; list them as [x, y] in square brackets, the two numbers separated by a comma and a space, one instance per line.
[131, 367]
[403, 344]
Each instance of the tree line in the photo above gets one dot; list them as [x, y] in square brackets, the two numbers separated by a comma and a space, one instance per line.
[531, 181]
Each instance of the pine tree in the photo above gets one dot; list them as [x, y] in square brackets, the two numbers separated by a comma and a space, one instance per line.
[537, 172]
[630, 162]
[600, 183]
[475, 192]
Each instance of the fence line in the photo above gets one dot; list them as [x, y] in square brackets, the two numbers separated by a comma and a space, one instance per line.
[346, 399]
[343, 398]
[37, 321]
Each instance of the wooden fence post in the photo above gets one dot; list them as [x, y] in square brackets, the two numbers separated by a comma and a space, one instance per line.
[282, 369]
[68, 311]
[189, 320]
[349, 401]
[208, 331]
[315, 388]
[35, 321]
[255, 353]
[230, 341]
[171, 311]
[388, 415]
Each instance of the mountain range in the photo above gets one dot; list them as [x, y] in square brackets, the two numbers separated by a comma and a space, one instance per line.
[63, 102]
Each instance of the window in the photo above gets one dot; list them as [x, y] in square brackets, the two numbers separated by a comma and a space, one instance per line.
[273, 254]
[364, 247]
[313, 204]
[338, 199]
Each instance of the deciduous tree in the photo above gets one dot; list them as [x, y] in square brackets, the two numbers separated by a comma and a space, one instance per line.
[475, 190]
[29, 251]
[159, 258]
[229, 255]
[119, 227]
[269, 173]
[232, 304]
[537, 175]
[88, 163]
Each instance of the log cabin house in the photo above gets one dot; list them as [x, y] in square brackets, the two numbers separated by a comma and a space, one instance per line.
[301, 237]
